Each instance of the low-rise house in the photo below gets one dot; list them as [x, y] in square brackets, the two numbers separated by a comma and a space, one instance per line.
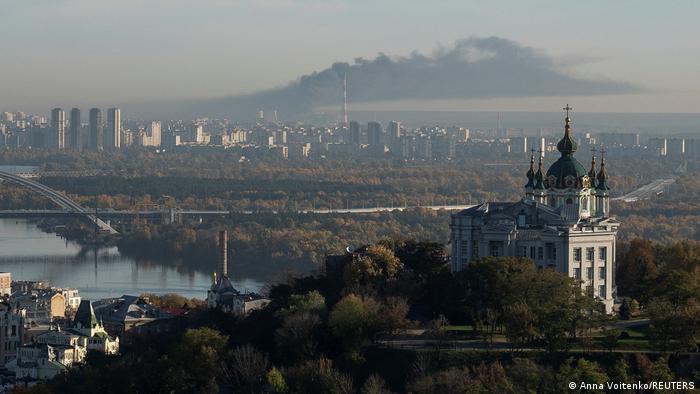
[132, 314]
[72, 297]
[11, 330]
[39, 362]
[55, 350]
[5, 284]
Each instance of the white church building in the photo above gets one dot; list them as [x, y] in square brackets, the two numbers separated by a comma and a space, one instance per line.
[562, 222]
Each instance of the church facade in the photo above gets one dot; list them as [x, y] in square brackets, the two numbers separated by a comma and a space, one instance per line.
[562, 222]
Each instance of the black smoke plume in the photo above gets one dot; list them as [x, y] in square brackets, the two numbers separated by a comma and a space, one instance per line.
[474, 68]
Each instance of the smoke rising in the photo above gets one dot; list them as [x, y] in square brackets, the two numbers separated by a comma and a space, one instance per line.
[473, 68]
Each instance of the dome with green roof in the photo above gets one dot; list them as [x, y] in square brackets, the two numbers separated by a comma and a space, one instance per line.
[567, 172]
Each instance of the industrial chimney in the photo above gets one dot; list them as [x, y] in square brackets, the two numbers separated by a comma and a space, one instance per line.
[223, 253]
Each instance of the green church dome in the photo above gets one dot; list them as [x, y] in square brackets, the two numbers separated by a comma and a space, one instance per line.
[567, 172]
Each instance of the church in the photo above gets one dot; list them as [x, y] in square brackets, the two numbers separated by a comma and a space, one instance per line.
[562, 222]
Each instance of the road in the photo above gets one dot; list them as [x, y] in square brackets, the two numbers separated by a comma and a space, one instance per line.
[647, 191]
[197, 212]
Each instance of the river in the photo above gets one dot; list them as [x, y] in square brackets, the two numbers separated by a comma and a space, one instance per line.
[31, 254]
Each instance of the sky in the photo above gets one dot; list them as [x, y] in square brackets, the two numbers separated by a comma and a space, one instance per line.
[104, 53]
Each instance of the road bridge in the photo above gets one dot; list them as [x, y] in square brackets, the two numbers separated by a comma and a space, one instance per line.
[57, 198]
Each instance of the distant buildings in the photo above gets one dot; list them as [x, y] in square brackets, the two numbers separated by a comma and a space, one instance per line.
[96, 126]
[12, 319]
[113, 131]
[5, 283]
[76, 129]
[57, 138]
[56, 350]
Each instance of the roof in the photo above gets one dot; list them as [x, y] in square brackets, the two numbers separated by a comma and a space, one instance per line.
[128, 307]
[503, 215]
[223, 285]
[566, 166]
[85, 315]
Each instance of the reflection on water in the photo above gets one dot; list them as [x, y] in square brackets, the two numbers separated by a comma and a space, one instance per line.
[30, 254]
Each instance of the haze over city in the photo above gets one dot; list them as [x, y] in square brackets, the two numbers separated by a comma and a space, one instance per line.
[349, 196]
[160, 58]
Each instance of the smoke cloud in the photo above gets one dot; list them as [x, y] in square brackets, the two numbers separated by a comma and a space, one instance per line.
[473, 68]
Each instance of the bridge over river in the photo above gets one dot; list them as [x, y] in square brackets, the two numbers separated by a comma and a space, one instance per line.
[68, 205]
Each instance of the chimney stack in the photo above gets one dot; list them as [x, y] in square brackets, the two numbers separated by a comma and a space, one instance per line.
[223, 253]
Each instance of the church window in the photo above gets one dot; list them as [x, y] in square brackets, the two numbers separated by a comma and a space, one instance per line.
[603, 253]
[601, 291]
[589, 273]
[590, 254]
[601, 272]
[577, 273]
[577, 254]
[540, 253]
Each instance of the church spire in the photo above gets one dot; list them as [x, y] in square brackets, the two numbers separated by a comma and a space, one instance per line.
[531, 172]
[567, 146]
[591, 173]
[602, 175]
[539, 176]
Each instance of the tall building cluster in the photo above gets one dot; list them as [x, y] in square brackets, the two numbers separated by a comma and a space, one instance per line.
[63, 132]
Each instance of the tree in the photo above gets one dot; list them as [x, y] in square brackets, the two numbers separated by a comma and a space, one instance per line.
[609, 339]
[195, 360]
[579, 371]
[625, 309]
[620, 371]
[393, 312]
[276, 381]
[245, 367]
[377, 265]
[526, 375]
[635, 266]
[519, 323]
[354, 320]
[374, 385]
[311, 302]
[663, 322]
[295, 338]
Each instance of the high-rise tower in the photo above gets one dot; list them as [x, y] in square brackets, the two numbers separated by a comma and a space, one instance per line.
[75, 129]
[58, 129]
[345, 99]
[96, 129]
[113, 134]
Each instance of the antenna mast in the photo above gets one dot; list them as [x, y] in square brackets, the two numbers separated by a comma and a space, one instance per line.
[345, 99]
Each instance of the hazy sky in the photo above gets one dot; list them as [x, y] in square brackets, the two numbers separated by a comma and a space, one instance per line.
[87, 52]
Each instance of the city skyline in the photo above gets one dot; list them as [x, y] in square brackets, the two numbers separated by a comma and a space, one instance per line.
[130, 43]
